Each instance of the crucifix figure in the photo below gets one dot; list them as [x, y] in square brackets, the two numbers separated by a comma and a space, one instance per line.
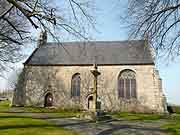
[95, 73]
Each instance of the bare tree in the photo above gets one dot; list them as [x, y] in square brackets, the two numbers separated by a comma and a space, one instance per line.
[19, 17]
[160, 20]
[13, 78]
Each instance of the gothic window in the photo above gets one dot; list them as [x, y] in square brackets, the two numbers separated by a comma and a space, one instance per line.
[127, 84]
[75, 85]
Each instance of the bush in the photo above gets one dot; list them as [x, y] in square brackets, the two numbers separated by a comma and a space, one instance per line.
[173, 109]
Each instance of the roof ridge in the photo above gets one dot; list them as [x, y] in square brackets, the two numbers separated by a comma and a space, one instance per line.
[99, 41]
[93, 42]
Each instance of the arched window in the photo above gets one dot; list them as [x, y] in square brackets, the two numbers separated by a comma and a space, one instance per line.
[127, 84]
[75, 85]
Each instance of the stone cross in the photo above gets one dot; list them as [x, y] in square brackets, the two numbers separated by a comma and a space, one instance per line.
[95, 73]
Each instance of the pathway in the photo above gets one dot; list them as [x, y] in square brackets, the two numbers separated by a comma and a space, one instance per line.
[113, 127]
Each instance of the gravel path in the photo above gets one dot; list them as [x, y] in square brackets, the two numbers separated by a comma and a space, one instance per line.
[112, 127]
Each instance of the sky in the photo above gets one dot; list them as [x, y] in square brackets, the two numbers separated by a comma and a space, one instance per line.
[110, 28]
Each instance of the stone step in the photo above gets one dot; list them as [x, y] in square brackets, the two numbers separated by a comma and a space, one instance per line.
[95, 116]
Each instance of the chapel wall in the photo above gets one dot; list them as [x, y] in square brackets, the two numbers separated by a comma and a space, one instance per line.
[57, 79]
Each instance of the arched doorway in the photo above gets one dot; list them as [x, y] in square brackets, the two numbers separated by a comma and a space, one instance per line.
[48, 100]
[90, 102]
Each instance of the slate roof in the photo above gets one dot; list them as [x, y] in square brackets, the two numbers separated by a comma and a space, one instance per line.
[84, 53]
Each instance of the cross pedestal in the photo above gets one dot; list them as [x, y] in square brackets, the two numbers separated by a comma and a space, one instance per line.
[94, 113]
[95, 73]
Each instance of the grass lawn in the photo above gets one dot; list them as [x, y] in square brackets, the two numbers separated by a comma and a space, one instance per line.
[170, 122]
[137, 116]
[11, 124]
[173, 124]
[14, 121]
[4, 106]
[51, 112]
[173, 127]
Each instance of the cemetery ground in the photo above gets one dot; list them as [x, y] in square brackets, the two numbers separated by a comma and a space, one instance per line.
[44, 121]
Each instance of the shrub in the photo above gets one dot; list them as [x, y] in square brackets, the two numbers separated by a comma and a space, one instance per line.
[173, 109]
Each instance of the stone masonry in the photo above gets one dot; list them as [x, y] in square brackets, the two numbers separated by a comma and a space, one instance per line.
[39, 80]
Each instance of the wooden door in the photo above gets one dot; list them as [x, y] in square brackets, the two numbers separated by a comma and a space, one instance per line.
[90, 103]
[48, 100]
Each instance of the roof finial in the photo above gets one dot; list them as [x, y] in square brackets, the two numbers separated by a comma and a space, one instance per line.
[42, 38]
[95, 62]
[146, 36]
[146, 39]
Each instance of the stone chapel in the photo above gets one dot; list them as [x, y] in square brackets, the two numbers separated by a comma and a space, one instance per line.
[58, 75]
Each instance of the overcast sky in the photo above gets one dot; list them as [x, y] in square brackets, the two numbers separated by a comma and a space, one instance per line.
[110, 28]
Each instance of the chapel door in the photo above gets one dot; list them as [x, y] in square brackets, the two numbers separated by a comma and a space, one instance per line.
[90, 103]
[48, 100]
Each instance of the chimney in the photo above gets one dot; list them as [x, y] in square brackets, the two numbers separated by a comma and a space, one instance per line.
[42, 40]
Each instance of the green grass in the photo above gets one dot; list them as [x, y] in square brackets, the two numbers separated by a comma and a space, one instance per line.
[173, 124]
[170, 123]
[4, 106]
[51, 112]
[12, 124]
[137, 116]
[17, 121]
[43, 110]
[173, 127]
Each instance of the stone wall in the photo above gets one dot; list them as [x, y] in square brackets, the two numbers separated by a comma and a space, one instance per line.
[57, 79]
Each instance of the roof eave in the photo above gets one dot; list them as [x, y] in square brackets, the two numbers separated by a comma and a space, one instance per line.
[29, 58]
[88, 64]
